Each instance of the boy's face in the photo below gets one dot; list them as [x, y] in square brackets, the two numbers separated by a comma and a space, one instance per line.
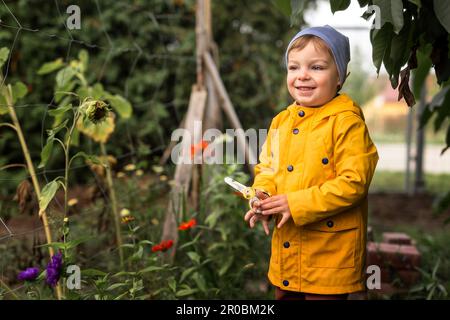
[312, 77]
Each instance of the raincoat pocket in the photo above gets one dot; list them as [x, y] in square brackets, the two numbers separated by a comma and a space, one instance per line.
[331, 243]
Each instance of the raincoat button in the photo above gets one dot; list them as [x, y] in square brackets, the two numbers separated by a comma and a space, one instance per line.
[301, 113]
[286, 244]
[285, 283]
[295, 131]
[330, 224]
[325, 161]
[290, 168]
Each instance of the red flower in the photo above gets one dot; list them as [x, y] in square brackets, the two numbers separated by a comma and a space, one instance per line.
[202, 145]
[187, 225]
[163, 246]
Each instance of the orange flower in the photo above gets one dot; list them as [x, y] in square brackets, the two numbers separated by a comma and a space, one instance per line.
[187, 225]
[202, 145]
[163, 246]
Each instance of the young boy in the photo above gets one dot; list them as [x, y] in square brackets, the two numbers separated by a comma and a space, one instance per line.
[316, 164]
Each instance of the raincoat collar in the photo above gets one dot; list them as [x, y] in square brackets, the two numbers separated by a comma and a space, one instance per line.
[341, 103]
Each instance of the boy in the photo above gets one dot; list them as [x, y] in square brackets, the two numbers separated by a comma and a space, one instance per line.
[317, 164]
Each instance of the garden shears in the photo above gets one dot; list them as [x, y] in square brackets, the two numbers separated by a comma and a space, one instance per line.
[247, 192]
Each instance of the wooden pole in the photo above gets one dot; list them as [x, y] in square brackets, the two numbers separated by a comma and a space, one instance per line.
[229, 110]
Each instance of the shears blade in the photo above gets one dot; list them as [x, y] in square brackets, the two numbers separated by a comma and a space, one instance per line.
[246, 191]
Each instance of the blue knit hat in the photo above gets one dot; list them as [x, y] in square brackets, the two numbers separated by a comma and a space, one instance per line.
[336, 41]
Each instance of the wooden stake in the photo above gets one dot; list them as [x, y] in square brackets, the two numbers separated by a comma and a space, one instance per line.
[229, 110]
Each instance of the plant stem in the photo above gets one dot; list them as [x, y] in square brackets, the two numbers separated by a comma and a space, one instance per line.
[112, 195]
[9, 289]
[9, 101]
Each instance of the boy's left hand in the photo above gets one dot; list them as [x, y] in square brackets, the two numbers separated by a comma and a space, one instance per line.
[276, 205]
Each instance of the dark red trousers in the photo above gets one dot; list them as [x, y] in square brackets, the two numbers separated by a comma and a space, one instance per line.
[281, 294]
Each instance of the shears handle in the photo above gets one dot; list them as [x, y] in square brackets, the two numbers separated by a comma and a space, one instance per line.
[261, 195]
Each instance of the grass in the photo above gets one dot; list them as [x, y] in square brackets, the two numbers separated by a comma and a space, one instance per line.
[394, 181]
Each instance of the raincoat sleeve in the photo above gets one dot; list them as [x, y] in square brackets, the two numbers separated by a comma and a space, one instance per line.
[265, 170]
[355, 158]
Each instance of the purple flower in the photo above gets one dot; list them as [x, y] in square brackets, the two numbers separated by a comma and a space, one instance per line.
[29, 274]
[54, 269]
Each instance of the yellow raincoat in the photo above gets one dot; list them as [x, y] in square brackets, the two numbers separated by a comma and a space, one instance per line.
[324, 160]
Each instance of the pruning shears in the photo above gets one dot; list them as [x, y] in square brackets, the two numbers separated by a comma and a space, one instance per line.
[247, 192]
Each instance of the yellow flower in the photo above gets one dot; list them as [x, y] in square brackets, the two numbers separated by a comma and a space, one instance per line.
[163, 178]
[155, 221]
[124, 212]
[120, 174]
[72, 202]
[130, 167]
[139, 172]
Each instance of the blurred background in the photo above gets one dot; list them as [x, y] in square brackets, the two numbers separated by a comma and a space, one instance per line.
[144, 52]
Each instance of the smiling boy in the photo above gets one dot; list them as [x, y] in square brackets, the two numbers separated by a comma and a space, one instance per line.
[317, 164]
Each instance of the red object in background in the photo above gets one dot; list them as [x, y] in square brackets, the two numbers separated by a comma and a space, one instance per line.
[163, 246]
[187, 225]
[202, 145]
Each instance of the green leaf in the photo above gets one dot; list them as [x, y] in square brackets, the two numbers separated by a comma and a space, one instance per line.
[391, 11]
[297, 6]
[339, 5]
[83, 56]
[194, 256]
[186, 292]
[418, 3]
[47, 194]
[284, 6]
[150, 269]
[200, 281]
[4, 53]
[46, 152]
[186, 273]
[121, 105]
[423, 68]
[381, 40]
[226, 266]
[60, 110]
[172, 284]
[447, 141]
[49, 67]
[138, 254]
[64, 76]
[442, 11]
[3, 105]
[92, 273]
[19, 90]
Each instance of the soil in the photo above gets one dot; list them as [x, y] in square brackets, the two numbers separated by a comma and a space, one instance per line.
[390, 210]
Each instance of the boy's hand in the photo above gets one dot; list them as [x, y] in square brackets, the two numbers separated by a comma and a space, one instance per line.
[276, 205]
[252, 217]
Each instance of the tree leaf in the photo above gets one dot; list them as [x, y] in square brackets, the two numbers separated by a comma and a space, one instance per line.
[150, 269]
[3, 105]
[442, 11]
[47, 194]
[46, 151]
[4, 53]
[83, 56]
[19, 90]
[391, 11]
[121, 105]
[381, 40]
[339, 5]
[284, 6]
[64, 76]
[49, 67]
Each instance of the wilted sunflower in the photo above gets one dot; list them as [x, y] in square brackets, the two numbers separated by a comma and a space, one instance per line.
[97, 111]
